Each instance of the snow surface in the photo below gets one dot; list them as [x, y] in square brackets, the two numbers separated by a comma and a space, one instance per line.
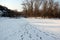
[29, 29]
[51, 26]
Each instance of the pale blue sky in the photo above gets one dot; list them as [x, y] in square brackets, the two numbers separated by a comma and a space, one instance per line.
[13, 4]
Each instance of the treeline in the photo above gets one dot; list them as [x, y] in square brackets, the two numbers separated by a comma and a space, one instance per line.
[34, 8]
[41, 8]
[5, 12]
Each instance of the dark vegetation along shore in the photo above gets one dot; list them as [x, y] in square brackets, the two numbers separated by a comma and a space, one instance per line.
[34, 8]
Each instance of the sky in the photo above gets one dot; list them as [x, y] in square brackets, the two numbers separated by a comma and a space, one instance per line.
[14, 4]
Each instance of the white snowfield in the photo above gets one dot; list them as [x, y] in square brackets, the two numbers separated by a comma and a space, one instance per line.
[29, 29]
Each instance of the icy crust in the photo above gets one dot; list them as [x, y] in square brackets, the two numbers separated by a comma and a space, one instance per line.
[20, 29]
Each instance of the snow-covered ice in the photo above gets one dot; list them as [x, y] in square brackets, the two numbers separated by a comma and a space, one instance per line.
[29, 29]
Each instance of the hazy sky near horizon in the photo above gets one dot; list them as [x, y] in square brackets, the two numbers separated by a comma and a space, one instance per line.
[14, 4]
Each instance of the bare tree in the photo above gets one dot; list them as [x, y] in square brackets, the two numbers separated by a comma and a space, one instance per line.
[56, 9]
[49, 8]
[37, 5]
[45, 8]
[28, 7]
[31, 6]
